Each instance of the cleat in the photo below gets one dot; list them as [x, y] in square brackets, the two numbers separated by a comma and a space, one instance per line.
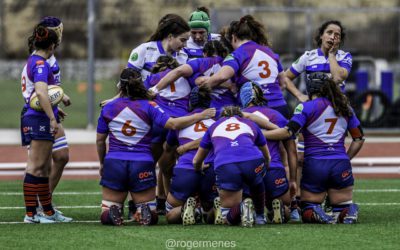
[188, 212]
[57, 217]
[37, 218]
[247, 213]
[115, 215]
[198, 215]
[218, 220]
[279, 212]
[294, 215]
[145, 215]
[351, 216]
[321, 217]
[261, 220]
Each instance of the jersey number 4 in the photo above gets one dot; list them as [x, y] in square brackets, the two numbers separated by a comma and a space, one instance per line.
[266, 71]
[332, 122]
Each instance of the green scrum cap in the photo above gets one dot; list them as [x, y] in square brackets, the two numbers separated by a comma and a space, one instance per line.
[200, 19]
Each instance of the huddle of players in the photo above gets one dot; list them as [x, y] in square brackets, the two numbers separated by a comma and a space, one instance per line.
[226, 172]
[186, 74]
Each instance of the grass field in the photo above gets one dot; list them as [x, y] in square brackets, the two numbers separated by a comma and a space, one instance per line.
[11, 102]
[379, 225]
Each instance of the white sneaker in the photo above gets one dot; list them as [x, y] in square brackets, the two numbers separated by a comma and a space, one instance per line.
[37, 218]
[188, 212]
[58, 217]
[247, 213]
[218, 220]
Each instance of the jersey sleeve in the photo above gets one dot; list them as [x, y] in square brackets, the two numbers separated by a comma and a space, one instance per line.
[137, 57]
[158, 115]
[347, 62]
[353, 122]
[300, 115]
[206, 141]
[40, 71]
[195, 64]
[102, 127]
[232, 61]
[299, 66]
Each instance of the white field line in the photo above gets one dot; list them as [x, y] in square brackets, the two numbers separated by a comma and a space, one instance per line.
[98, 207]
[74, 221]
[99, 193]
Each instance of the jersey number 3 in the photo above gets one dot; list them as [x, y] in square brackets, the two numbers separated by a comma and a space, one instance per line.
[266, 71]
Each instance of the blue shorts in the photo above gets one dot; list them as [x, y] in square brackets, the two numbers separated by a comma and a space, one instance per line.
[276, 183]
[188, 182]
[159, 134]
[35, 128]
[319, 175]
[124, 175]
[233, 176]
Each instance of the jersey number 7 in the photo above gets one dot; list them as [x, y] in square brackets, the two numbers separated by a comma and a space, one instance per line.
[332, 122]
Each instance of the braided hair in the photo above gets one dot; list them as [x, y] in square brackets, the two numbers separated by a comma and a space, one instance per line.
[131, 85]
[163, 63]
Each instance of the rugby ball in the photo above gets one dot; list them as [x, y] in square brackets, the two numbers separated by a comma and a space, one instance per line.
[56, 94]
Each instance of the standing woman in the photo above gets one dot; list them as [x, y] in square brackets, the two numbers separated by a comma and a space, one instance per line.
[200, 32]
[128, 165]
[38, 128]
[60, 153]
[324, 121]
[252, 60]
[169, 39]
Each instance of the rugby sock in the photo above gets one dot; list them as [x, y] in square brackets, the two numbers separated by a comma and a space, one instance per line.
[44, 195]
[258, 197]
[37, 187]
[233, 216]
[340, 210]
[30, 194]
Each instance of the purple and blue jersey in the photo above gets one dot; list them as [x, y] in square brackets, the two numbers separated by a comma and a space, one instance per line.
[324, 132]
[220, 97]
[233, 139]
[316, 61]
[173, 99]
[279, 120]
[257, 63]
[37, 69]
[129, 126]
[189, 134]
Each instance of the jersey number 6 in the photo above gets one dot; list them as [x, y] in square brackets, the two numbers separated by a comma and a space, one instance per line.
[127, 129]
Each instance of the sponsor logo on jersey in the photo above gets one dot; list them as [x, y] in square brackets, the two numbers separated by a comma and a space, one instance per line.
[346, 174]
[40, 62]
[259, 169]
[134, 56]
[280, 181]
[298, 109]
[228, 58]
[146, 174]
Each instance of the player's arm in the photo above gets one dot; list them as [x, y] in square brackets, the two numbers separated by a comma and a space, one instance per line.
[41, 89]
[339, 74]
[101, 149]
[267, 156]
[182, 71]
[358, 140]
[185, 121]
[261, 122]
[188, 146]
[292, 128]
[288, 83]
[290, 147]
[223, 75]
[199, 158]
